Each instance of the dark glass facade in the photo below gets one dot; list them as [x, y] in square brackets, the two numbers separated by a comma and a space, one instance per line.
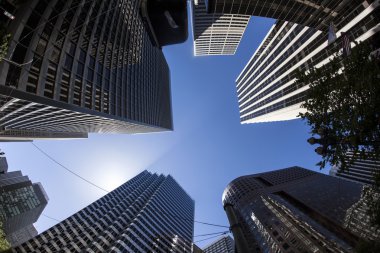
[92, 67]
[297, 210]
[21, 204]
[224, 244]
[149, 213]
[361, 171]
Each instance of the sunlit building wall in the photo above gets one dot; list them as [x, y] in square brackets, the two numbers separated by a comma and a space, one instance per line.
[298, 210]
[265, 87]
[216, 34]
[77, 67]
[149, 213]
[312, 13]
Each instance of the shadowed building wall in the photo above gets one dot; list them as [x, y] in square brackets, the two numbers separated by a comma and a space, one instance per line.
[295, 209]
[86, 66]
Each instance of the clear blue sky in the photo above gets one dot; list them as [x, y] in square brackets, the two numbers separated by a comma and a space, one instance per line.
[207, 149]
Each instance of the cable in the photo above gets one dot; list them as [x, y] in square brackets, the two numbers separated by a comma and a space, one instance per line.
[93, 184]
[210, 237]
[211, 234]
[200, 222]
[50, 217]
[67, 169]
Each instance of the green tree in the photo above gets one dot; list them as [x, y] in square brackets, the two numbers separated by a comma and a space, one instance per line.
[4, 244]
[373, 198]
[4, 41]
[343, 106]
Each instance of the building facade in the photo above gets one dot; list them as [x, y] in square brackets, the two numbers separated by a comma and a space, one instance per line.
[312, 13]
[224, 244]
[196, 249]
[21, 204]
[361, 171]
[3, 164]
[266, 86]
[77, 67]
[149, 213]
[22, 235]
[297, 210]
[216, 34]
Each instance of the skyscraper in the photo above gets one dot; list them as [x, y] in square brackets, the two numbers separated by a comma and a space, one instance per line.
[361, 171]
[312, 13]
[266, 88]
[76, 67]
[21, 204]
[149, 213]
[295, 209]
[224, 244]
[216, 34]
[3, 164]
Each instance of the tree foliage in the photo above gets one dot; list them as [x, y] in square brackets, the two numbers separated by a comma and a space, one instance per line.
[4, 41]
[373, 198]
[343, 101]
[4, 244]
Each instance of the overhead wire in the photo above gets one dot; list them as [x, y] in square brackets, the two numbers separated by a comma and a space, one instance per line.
[67, 169]
[217, 233]
[99, 187]
[49, 217]
[212, 237]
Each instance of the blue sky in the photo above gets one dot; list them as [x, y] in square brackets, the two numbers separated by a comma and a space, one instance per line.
[207, 149]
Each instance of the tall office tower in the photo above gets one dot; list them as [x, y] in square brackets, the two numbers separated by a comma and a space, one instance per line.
[21, 204]
[297, 210]
[22, 235]
[216, 34]
[196, 249]
[266, 88]
[3, 164]
[149, 213]
[312, 13]
[361, 171]
[225, 244]
[76, 67]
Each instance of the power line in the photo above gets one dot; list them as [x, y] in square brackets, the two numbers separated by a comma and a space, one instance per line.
[195, 221]
[67, 169]
[97, 186]
[47, 216]
[209, 238]
[217, 233]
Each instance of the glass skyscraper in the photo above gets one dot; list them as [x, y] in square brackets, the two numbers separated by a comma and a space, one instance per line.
[298, 210]
[224, 244]
[76, 67]
[312, 13]
[21, 204]
[361, 170]
[149, 213]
